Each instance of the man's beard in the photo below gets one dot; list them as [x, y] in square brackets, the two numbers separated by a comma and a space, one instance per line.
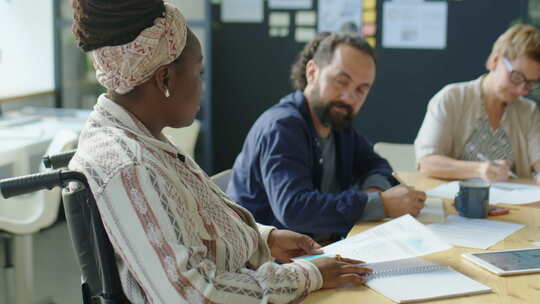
[337, 121]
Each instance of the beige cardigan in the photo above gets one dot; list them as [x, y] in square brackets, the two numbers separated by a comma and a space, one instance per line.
[451, 117]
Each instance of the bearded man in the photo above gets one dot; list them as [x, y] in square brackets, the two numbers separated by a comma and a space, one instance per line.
[303, 167]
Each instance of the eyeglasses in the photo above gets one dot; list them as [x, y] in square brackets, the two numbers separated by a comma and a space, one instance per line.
[518, 78]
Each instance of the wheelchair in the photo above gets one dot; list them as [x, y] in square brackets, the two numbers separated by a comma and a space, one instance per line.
[100, 281]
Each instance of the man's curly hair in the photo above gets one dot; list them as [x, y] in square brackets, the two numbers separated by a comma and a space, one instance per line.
[321, 49]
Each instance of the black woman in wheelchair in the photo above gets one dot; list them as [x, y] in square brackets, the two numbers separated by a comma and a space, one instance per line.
[177, 237]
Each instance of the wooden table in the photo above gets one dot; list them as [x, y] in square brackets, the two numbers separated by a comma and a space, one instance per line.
[507, 290]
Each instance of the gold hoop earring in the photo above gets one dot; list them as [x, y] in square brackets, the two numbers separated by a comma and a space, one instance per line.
[167, 93]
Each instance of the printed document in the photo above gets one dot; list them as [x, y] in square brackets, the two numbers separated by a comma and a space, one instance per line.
[474, 233]
[502, 192]
[401, 238]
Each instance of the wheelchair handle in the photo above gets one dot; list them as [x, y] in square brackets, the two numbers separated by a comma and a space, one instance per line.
[59, 160]
[14, 186]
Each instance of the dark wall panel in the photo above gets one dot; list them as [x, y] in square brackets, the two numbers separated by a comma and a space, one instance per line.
[251, 73]
[407, 79]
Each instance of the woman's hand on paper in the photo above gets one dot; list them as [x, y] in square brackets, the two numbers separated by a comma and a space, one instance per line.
[341, 271]
[285, 245]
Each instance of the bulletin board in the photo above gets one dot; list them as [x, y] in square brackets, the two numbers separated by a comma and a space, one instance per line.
[251, 71]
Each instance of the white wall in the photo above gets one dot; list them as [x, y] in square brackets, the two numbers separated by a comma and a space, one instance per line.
[26, 47]
[192, 9]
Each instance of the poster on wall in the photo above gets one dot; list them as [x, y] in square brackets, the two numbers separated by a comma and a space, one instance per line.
[534, 12]
[26, 48]
[414, 24]
[242, 11]
[340, 15]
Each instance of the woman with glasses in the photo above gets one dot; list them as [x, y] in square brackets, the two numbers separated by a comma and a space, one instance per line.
[486, 128]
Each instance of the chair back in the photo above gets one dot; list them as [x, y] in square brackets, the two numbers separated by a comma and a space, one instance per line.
[184, 138]
[100, 281]
[400, 156]
[222, 178]
[32, 212]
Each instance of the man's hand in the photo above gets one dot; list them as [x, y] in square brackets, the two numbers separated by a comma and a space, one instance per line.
[286, 244]
[401, 200]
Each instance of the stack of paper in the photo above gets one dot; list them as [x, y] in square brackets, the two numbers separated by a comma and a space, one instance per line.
[390, 250]
[506, 193]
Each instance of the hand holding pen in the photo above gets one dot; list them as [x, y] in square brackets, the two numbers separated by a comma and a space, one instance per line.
[402, 199]
[495, 170]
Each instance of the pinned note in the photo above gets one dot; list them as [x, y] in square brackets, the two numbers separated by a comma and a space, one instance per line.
[372, 41]
[279, 19]
[304, 34]
[306, 18]
[369, 16]
[242, 11]
[290, 4]
[370, 4]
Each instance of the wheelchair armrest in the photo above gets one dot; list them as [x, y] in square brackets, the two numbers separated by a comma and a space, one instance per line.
[59, 160]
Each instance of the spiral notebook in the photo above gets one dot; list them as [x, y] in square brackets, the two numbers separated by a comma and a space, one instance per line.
[416, 280]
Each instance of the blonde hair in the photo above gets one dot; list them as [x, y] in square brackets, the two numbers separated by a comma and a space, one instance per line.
[517, 41]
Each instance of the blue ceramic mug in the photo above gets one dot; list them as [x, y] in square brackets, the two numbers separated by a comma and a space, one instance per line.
[472, 200]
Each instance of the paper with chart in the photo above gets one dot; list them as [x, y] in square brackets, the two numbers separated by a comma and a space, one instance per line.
[502, 192]
[474, 233]
[400, 238]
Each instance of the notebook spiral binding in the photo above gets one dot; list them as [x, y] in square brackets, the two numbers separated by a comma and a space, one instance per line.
[407, 270]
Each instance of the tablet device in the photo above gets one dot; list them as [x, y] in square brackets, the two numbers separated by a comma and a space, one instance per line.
[507, 262]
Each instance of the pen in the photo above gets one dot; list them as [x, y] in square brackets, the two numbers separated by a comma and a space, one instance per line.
[401, 181]
[484, 158]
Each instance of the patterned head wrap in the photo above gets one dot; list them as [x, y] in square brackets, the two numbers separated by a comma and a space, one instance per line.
[121, 68]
